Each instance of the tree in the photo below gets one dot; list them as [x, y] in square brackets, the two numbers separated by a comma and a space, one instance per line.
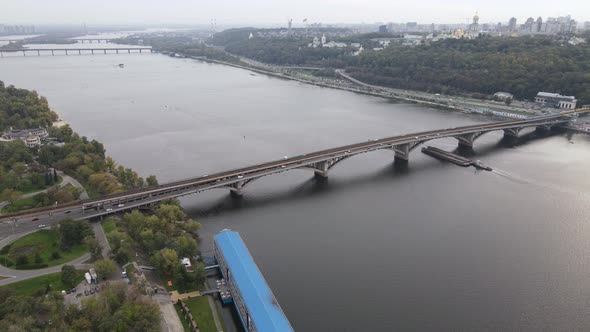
[72, 232]
[170, 212]
[94, 247]
[105, 268]
[69, 276]
[165, 260]
[120, 247]
[10, 195]
[186, 246]
[151, 181]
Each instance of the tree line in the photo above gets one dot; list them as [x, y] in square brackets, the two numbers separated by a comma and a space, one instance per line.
[522, 66]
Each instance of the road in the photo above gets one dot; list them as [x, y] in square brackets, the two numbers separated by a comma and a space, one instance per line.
[447, 101]
[66, 179]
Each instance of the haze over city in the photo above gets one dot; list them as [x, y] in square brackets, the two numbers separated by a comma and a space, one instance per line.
[231, 12]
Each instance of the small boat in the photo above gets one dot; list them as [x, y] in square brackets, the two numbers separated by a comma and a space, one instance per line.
[121, 65]
[479, 165]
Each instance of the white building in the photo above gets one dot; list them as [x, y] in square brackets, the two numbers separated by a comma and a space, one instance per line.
[556, 100]
[31, 137]
[332, 44]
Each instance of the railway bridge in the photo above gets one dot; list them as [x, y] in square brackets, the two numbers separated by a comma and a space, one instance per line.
[78, 50]
[319, 162]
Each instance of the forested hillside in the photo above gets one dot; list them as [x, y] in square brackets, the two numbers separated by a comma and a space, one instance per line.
[20, 108]
[522, 66]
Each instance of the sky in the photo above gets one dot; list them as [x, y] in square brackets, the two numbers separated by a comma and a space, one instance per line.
[252, 12]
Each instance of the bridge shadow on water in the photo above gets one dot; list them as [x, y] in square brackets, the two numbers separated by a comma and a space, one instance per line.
[313, 187]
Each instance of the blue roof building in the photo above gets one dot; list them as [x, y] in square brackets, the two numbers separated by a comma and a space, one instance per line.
[256, 305]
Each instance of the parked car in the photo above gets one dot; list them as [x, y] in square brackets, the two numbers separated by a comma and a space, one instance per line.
[86, 292]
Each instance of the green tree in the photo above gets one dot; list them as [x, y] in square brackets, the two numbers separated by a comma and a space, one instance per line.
[120, 247]
[151, 181]
[94, 247]
[165, 260]
[73, 232]
[185, 246]
[170, 212]
[105, 268]
[10, 195]
[69, 276]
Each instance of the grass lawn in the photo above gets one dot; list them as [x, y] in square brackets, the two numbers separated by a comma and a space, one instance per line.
[19, 205]
[44, 242]
[199, 307]
[180, 312]
[30, 286]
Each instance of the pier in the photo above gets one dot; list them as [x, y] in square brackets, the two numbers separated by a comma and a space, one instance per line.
[447, 156]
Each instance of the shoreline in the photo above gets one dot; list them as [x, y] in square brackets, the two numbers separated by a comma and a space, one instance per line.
[386, 93]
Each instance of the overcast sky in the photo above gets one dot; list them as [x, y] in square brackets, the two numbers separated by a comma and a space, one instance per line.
[278, 11]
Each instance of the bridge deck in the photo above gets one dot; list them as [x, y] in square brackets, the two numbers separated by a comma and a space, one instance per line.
[240, 176]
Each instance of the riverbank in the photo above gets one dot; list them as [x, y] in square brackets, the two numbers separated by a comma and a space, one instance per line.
[433, 100]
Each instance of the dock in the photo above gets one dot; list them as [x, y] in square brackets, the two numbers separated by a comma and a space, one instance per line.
[447, 156]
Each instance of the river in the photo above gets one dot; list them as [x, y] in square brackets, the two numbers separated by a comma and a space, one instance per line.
[375, 248]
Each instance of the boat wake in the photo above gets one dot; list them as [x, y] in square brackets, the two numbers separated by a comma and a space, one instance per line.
[523, 180]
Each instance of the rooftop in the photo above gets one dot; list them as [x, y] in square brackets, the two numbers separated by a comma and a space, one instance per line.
[554, 95]
[265, 311]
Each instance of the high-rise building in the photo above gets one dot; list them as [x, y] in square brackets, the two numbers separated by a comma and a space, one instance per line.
[539, 24]
[512, 24]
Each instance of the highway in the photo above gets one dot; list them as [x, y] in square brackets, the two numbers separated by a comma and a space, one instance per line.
[235, 179]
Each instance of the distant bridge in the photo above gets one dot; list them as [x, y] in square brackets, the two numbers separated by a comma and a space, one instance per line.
[68, 51]
[79, 40]
[320, 162]
[92, 40]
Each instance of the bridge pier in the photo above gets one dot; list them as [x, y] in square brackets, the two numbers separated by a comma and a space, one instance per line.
[512, 132]
[80, 52]
[66, 52]
[466, 140]
[321, 170]
[117, 51]
[402, 154]
[52, 52]
[92, 51]
[38, 53]
[236, 189]
[24, 53]
[105, 51]
[544, 128]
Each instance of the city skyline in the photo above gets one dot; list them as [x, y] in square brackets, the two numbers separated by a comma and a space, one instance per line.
[232, 12]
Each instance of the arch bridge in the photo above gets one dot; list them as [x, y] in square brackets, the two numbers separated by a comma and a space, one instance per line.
[320, 163]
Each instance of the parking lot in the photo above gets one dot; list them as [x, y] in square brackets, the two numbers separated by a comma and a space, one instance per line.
[82, 290]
